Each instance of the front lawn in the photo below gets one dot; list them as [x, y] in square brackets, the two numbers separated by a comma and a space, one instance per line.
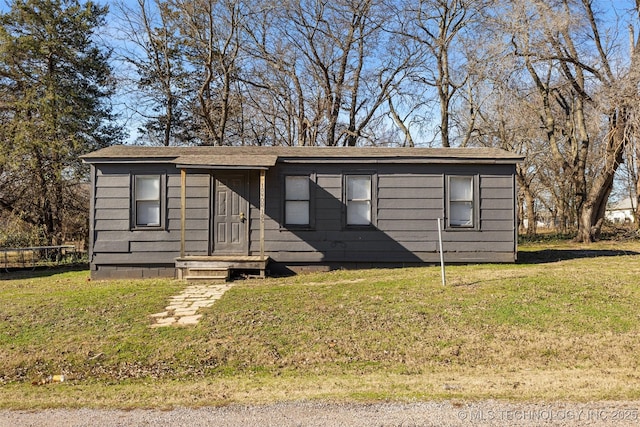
[563, 324]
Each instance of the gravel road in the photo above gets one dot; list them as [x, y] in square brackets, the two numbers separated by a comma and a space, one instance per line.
[486, 413]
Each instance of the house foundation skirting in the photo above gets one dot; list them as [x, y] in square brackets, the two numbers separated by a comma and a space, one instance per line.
[148, 271]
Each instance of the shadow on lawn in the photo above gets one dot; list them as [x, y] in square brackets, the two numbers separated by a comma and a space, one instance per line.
[34, 272]
[552, 255]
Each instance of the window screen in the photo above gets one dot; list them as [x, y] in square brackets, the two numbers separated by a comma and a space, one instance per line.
[147, 200]
[461, 201]
[296, 200]
[358, 199]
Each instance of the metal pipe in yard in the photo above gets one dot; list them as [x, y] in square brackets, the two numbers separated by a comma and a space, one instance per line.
[441, 253]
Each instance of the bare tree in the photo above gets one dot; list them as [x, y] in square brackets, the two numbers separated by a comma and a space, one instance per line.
[497, 113]
[328, 68]
[329, 37]
[633, 131]
[279, 97]
[583, 103]
[158, 62]
[211, 40]
[436, 28]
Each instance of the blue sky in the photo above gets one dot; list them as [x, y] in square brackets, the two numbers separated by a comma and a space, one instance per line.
[115, 41]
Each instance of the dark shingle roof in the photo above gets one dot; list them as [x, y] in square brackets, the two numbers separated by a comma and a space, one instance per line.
[260, 156]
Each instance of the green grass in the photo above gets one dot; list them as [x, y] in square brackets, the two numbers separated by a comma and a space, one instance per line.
[561, 324]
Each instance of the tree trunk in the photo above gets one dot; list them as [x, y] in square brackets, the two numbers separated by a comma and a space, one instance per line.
[591, 217]
[521, 228]
[168, 121]
[636, 207]
[444, 120]
[532, 226]
[591, 214]
[408, 140]
[529, 202]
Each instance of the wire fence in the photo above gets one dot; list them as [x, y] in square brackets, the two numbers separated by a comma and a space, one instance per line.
[38, 256]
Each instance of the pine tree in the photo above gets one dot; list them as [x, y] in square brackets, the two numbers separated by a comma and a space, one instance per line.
[55, 88]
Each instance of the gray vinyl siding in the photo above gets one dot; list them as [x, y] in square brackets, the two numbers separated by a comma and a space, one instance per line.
[410, 199]
[117, 243]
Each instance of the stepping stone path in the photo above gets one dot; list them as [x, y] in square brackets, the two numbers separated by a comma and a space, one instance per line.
[182, 308]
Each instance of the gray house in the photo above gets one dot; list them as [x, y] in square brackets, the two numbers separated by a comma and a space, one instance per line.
[199, 212]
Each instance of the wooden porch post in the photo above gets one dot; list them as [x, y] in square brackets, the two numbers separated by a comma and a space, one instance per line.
[262, 202]
[183, 209]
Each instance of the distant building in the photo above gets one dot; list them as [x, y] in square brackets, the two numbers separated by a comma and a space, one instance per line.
[622, 212]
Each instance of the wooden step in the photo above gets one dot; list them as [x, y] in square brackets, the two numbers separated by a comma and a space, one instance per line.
[210, 267]
[207, 273]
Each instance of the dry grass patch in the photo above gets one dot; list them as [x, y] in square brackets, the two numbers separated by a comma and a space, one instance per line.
[575, 385]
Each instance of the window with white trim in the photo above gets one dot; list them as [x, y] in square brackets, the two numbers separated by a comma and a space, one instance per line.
[359, 200]
[297, 200]
[461, 202]
[147, 193]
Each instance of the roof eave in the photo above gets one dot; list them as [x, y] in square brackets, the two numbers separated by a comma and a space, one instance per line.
[406, 160]
[127, 160]
[219, 167]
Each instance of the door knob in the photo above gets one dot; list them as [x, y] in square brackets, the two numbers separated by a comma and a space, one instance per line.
[242, 217]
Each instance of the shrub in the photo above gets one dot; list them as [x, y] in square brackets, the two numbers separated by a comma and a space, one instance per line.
[16, 233]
